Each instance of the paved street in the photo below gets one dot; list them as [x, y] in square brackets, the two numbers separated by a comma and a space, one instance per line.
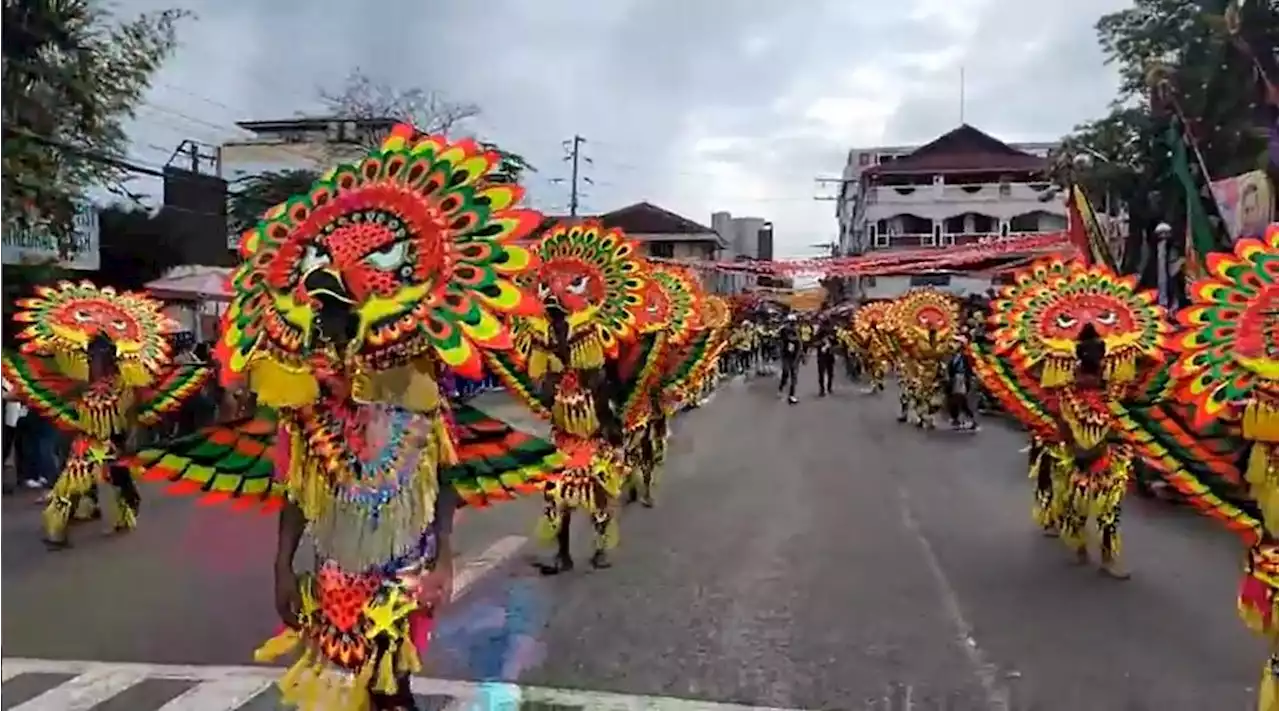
[814, 556]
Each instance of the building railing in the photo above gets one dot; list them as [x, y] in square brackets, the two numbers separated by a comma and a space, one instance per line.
[982, 192]
[926, 239]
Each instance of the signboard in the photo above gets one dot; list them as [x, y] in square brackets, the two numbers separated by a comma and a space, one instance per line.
[1245, 203]
[37, 246]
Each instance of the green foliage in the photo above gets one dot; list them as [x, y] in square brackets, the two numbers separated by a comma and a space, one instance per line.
[512, 168]
[256, 194]
[1187, 54]
[73, 75]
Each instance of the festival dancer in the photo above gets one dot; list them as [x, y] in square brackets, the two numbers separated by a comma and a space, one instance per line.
[925, 323]
[351, 301]
[873, 342]
[591, 282]
[96, 363]
[670, 311]
[1067, 344]
[1228, 370]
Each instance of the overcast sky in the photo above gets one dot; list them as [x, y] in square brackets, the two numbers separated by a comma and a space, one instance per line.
[695, 105]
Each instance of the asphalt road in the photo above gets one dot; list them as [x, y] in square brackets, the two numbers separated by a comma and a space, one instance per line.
[813, 556]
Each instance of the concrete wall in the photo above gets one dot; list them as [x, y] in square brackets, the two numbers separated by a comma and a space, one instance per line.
[886, 287]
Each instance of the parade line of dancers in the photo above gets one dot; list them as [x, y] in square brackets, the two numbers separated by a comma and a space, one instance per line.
[355, 301]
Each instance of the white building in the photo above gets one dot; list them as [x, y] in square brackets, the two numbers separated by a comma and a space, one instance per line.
[961, 187]
[296, 144]
[745, 238]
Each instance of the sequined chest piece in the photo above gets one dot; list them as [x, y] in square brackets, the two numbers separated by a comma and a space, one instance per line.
[1087, 414]
[378, 502]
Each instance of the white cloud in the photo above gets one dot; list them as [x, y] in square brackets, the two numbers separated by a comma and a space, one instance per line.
[699, 106]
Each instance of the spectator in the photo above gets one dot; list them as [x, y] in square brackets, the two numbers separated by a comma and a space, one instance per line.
[14, 411]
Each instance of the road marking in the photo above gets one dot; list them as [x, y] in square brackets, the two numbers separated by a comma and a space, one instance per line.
[218, 695]
[227, 688]
[997, 694]
[84, 691]
[473, 569]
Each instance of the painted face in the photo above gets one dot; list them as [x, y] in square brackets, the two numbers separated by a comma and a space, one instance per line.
[656, 309]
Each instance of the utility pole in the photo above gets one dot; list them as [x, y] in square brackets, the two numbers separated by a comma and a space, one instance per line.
[575, 155]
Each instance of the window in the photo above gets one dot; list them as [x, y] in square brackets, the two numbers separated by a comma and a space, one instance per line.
[879, 238]
[665, 250]
[930, 280]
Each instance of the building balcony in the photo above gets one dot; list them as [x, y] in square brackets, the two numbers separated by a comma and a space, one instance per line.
[941, 193]
[929, 240]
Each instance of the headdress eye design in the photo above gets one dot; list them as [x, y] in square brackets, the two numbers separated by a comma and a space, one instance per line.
[579, 284]
[389, 257]
[313, 258]
[1065, 320]
[119, 325]
[1107, 318]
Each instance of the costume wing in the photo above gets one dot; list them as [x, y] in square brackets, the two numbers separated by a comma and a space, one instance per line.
[42, 387]
[511, 371]
[228, 463]
[640, 372]
[497, 462]
[687, 360]
[171, 388]
[1204, 465]
[1018, 393]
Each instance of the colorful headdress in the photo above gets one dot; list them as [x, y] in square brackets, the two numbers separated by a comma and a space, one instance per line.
[66, 318]
[1037, 319]
[681, 290]
[595, 276]
[870, 317]
[407, 253]
[925, 320]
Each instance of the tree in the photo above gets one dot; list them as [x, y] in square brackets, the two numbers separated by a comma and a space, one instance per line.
[73, 75]
[256, 194]
[362, 97]
[1197, 56]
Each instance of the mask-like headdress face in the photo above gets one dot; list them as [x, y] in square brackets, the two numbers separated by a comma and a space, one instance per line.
[1228, 364]
[1038, 320]
[596, 279]
[407, 255]
[925, 321]
[66, 319]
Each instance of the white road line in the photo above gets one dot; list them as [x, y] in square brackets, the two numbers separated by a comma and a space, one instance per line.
[996, 692]
[220, 695]
[85, 691]
[226, 688]
[475, 568]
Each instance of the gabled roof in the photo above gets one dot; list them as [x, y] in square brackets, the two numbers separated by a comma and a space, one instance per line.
[643, 221]
[646, 218]
[964, 148]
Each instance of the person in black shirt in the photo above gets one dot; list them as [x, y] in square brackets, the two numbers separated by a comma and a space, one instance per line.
[824, 346]
[789, 342]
